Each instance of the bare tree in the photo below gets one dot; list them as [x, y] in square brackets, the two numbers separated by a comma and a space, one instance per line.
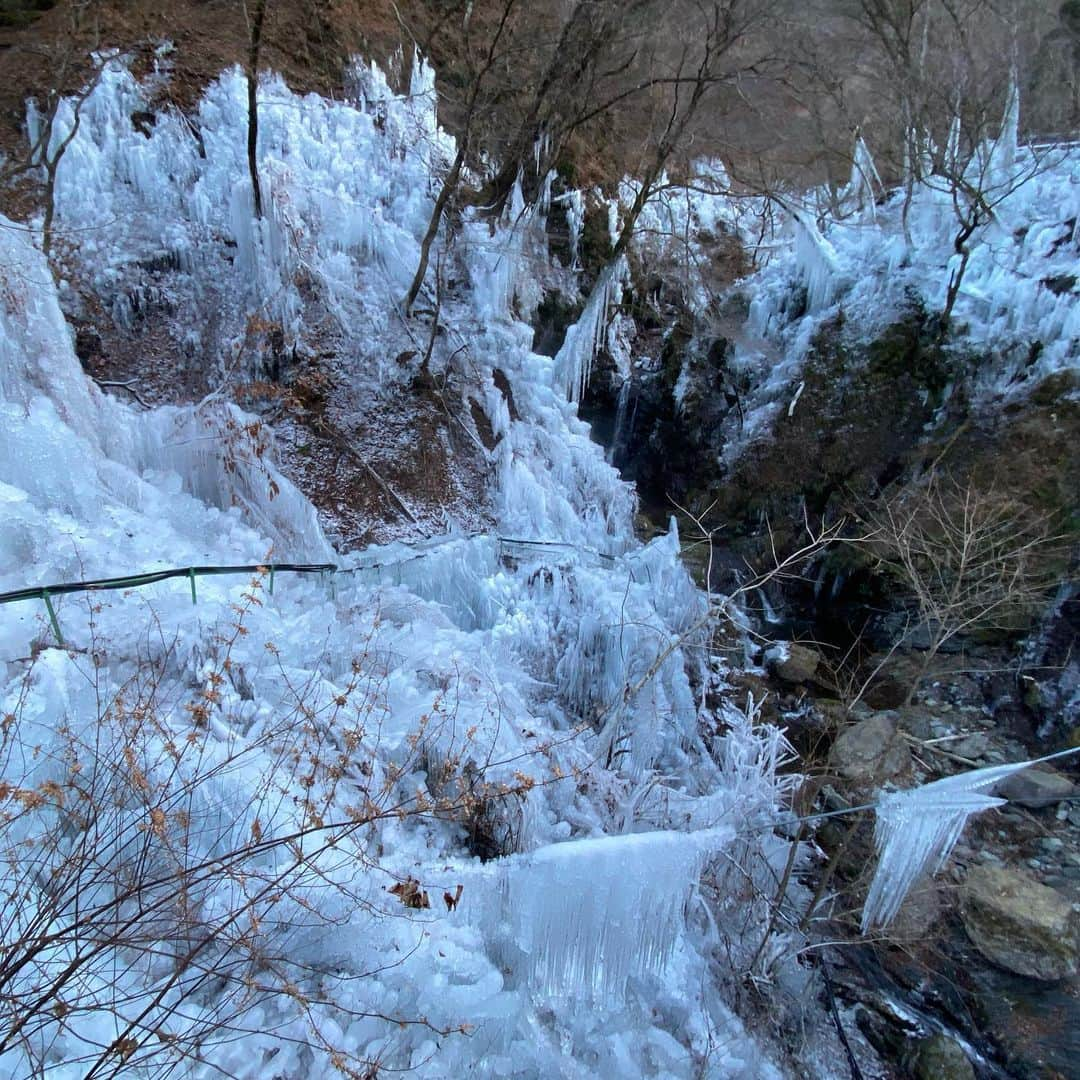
[933, 87]
[480, 64]
[75, 74]
[546, 82]
[715, 50]
[970, 557]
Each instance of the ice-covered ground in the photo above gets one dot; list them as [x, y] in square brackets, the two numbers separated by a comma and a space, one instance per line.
[207, 806]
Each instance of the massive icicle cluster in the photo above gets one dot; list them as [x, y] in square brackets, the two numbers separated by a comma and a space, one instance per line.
[483, 677]
[868, 253]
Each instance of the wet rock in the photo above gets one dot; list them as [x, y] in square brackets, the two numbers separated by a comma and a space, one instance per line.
[833, 713]
[793, 663]
[1037, 787]
[940, 1058]
[1035, 1025]
[746, 683]
[920, 916]
[894, 677]
[870, 752]
[88, 346]
[1019, 924]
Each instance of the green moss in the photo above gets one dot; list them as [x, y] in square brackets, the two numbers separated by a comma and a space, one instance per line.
[594, 245]
[1055, 389]
[907, 353]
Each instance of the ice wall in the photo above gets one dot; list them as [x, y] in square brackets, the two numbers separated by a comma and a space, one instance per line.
[543, 682]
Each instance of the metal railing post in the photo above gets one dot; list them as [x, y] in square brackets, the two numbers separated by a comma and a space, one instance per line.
[52, 615]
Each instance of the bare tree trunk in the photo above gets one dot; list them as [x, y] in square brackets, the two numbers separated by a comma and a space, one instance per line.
[956, 279]
[446, 191]
[564, 88]
[255, 28]
[52, 165]
[678, 122]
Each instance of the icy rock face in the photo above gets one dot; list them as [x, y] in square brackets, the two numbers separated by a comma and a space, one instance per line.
[871, 752]
[792, 662]
[541, 689]
[69, 447]
[864, 253]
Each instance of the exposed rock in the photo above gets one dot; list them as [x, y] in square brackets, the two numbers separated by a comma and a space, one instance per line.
[793, 663]
[1037, 787]
[833, 712]
[940, 1058]
[1050, 689]
[891, 685]
[747, 683]
[972, 747]
[919, 919]
[1036, 1025]
[870, 752]
[1022, 926]
[88, 345]
[917, 720]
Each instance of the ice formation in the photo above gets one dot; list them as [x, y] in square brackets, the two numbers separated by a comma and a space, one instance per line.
[491, 669]
[818, 265]
[538, 673]
[574, 361]
[916, 830]
[587, 915]
[868, 252]
[865, 184]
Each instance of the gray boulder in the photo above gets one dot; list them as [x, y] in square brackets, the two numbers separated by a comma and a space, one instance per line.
[870, 752]
[1020, 924]
[793, 663]
[1037, 787]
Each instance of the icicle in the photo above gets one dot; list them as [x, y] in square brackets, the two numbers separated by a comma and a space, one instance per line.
[768, 612]
[587, 915]
[573, 363]
[817, 261]
[33, 129]
[1003, 150]
[575, 220]
[865, 183]
[917, 828]
[795, 399]
[541, 149]
[927, 152]
[423, 100]
[952, 146]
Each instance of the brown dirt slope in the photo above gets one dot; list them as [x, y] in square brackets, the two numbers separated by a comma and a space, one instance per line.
[306, 40]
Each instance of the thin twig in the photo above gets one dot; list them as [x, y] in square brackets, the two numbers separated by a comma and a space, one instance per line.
[128, 386]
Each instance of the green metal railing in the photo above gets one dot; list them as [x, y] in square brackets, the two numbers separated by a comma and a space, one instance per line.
[46, 593]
